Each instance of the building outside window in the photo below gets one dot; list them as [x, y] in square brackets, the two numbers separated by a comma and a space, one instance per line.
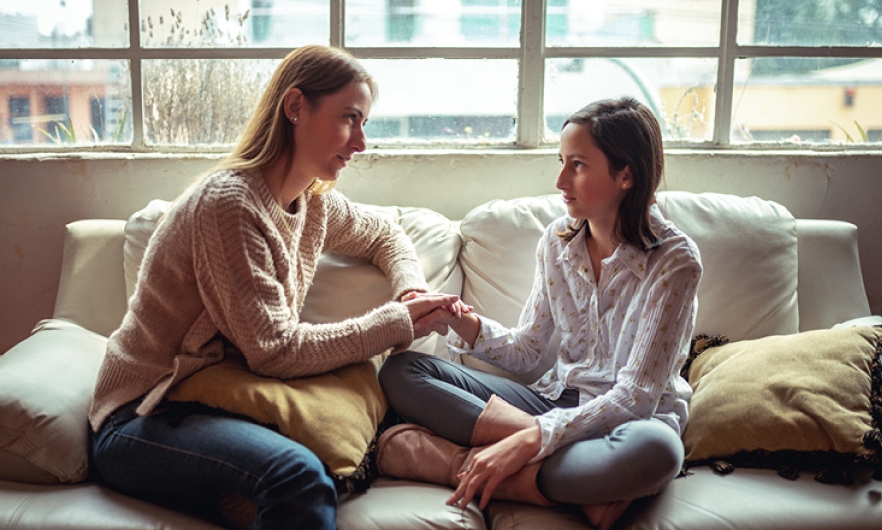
[54, 116]
[20, 120]
[468, 73]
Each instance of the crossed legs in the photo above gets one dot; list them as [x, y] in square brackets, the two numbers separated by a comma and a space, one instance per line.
[637, 459]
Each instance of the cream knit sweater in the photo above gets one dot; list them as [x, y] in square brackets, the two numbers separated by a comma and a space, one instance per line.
[227, 270]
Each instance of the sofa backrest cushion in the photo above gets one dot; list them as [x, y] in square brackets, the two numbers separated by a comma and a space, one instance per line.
[91, 289]
[343, 286]
[749, 252]
[748, 248]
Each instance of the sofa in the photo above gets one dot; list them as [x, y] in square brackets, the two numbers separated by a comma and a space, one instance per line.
[766, 274]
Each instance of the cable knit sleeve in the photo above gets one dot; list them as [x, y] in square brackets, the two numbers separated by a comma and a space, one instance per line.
[356, 231]
[253, 281]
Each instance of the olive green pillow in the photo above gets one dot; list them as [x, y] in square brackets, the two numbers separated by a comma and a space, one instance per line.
[336, 414]
[807, 400]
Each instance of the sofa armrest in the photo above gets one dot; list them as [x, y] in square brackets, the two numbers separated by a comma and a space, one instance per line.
[92, 288]
[831, 287]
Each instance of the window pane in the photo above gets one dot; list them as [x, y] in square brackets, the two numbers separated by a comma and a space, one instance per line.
[233, 23]
[786, 99]
[65, 24]
[201, 101]
[680, 91]
[435, 23]
[633, 23]
[64, 102]
[811, 22]
[443, 100]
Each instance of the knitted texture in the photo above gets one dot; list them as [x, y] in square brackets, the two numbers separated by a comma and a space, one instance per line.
[228, 269]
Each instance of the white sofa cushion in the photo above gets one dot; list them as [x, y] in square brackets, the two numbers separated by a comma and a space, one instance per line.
[749, 252]
[86, 506]
[393, 504]
[703, 500]
[343, 287]
[91, 289]
[46, 385]
[389, 504]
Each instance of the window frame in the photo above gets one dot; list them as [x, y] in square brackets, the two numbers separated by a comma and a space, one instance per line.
[531, 56]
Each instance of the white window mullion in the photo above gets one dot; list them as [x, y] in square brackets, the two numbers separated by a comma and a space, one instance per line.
[135, 72]
[338, 23]
[726, 72]
[531, 74]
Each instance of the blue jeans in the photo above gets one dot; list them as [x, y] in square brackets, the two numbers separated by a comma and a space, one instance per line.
[169, 455]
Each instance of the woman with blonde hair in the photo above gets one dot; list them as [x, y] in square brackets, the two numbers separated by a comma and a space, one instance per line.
[226, 274]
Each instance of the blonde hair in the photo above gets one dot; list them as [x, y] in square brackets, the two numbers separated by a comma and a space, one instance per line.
[317, 71]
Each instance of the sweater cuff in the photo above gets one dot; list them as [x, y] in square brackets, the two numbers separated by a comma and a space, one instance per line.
[388, 326]
[407, 276]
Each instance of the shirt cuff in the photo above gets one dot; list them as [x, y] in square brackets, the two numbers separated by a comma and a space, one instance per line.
[552, 431]
[456, 345]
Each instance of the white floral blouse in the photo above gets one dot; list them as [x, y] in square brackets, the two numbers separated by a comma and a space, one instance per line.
[623, 339]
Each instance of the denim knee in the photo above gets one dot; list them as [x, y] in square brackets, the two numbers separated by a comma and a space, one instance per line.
[297, 494]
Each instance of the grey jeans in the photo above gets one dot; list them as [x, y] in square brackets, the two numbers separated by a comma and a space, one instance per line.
[637, 459]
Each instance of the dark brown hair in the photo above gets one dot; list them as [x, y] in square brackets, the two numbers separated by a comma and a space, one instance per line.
[629, 135]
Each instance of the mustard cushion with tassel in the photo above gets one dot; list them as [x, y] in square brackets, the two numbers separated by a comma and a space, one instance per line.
[806, 400]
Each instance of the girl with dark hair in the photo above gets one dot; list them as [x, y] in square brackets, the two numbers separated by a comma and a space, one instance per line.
[619, 283]
[226, 274]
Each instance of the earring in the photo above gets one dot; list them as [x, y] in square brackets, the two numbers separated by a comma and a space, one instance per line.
[294, 119]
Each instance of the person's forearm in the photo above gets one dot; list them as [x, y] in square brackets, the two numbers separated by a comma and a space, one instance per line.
[468, 326]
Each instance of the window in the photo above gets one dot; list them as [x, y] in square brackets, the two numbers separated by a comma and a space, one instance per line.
[401, 21]
[96, 114]
[20, 119]
[143, 75]
[54, 116]
[491, 20]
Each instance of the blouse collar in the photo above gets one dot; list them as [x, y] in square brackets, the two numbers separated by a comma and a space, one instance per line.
[632, 257]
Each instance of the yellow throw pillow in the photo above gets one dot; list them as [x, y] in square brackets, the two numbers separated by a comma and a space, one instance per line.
[791, 401]
[335, 414]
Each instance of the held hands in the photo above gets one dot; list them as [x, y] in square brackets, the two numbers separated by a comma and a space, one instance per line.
[433, 311]
[492, 464]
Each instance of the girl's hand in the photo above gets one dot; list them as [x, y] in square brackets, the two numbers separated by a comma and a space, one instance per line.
[489, 466]
[460, 308]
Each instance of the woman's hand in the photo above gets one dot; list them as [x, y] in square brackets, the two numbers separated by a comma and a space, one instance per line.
[489, 466]
[428, 311]
[459, 316]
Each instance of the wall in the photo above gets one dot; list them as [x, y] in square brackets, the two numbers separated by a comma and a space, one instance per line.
[39, 194]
